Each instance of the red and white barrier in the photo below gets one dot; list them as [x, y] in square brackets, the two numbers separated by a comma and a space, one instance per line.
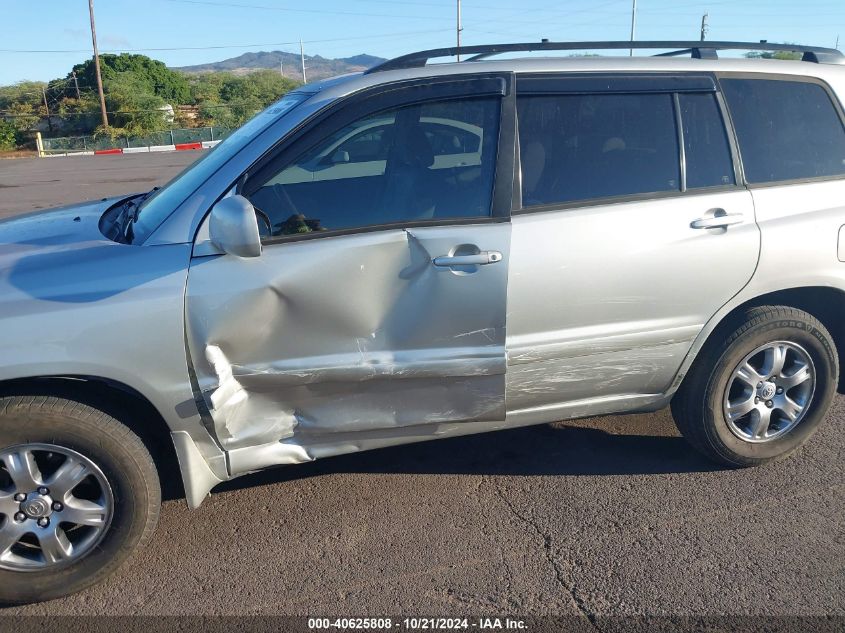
[178, 147]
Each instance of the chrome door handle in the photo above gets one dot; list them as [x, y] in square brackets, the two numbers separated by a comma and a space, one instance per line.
[718, 221]
[478, 259]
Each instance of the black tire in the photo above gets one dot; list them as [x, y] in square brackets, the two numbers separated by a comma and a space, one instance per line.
[698, 406]
[124, 461]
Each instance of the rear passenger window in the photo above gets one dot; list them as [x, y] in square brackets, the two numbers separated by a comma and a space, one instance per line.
[577, 147]
[786, 129]
[706, 148]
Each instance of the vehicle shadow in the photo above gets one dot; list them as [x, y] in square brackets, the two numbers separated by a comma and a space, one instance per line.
[633, 445]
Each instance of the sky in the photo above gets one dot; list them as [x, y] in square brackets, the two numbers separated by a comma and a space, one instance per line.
[43, 40]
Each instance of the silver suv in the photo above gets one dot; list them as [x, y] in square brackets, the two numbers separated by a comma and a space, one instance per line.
[424, 251]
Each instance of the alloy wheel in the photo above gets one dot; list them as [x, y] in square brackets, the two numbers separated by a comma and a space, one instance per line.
[769, 392]
[55, 506]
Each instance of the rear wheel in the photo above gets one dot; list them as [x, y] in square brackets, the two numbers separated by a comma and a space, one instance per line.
[759, 393]
[78, 493]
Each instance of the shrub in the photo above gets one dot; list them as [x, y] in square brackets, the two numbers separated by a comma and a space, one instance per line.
[8, 139]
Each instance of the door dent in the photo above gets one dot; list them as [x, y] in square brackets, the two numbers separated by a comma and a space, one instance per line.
[298, 357]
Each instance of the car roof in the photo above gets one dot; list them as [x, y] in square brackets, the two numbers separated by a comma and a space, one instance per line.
[833, 74]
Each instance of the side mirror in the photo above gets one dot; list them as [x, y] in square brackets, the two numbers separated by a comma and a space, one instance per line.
[233, 227]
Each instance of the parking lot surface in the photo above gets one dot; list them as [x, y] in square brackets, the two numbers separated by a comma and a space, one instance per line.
[29, 184]
[610, 516]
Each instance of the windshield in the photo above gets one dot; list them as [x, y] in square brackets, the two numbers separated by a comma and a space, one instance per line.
[163, 202]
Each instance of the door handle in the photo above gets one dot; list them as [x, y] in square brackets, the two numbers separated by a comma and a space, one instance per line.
[719, 220]
[478, 259]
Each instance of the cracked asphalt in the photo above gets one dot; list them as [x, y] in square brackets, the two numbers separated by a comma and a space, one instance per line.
[594, 518]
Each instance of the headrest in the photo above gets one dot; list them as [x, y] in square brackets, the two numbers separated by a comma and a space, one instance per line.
[412, 148]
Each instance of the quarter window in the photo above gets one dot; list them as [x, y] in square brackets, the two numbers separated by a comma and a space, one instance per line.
[429, 161]
[577, 147]
[786, 130]
[706, 148]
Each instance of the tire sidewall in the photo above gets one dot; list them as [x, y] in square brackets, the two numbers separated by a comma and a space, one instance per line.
[131, 491]
[791, 329]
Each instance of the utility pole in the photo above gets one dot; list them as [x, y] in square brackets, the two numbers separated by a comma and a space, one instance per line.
[837, 42]
[633, 25]
[282, 66]
[76, 83]
[46, 108]
[704, 27]
[459, 29]
[302, 58]
[97, 65]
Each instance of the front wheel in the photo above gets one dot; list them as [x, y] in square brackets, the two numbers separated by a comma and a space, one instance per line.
[761, 392]
[78, 493]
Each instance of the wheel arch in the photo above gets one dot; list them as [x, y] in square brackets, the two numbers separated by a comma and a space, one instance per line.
[826, 303]
[122, 402]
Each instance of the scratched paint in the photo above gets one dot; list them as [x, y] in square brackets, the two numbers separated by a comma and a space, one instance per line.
[629, 371]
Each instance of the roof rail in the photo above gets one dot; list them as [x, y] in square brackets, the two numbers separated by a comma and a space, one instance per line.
[702, 50]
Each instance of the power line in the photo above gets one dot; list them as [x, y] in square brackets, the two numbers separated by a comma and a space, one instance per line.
[439, 5]
[290, 10]
[222, 46]
[405, 17]
[509, 18]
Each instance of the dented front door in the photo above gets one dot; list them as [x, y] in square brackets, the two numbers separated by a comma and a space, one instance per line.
[376, 310]
[327, 339]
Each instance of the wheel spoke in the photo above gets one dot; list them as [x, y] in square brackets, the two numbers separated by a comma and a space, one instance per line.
[54, 543]
[23, 470]
[8, 505]
[775, 359]
[747, 374]
[790, 409]
[10, 534]
[800, 376]
[739, 409]
[67, 477]
[83, 512]
[760, 422]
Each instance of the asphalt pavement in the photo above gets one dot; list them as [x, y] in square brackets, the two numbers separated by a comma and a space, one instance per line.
[28, 184]
[604, 517]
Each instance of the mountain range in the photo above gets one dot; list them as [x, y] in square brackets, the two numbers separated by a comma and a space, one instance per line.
[316, 67]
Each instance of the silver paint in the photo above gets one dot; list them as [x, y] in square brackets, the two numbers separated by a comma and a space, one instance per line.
[284, 347]
[75, 304]
[233, 227]
[334, 345]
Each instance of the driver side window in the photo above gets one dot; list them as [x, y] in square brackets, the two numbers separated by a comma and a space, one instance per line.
[429, 161]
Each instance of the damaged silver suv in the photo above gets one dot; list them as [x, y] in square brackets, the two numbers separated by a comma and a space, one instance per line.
[419, 252]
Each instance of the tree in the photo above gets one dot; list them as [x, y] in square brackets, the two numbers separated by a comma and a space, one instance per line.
[79, 116]
[7, 135]
[230, 100]
[206, 87]
[136, 112]
[774, 55]
[138, 90]
[22, 104]
[152, 76]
